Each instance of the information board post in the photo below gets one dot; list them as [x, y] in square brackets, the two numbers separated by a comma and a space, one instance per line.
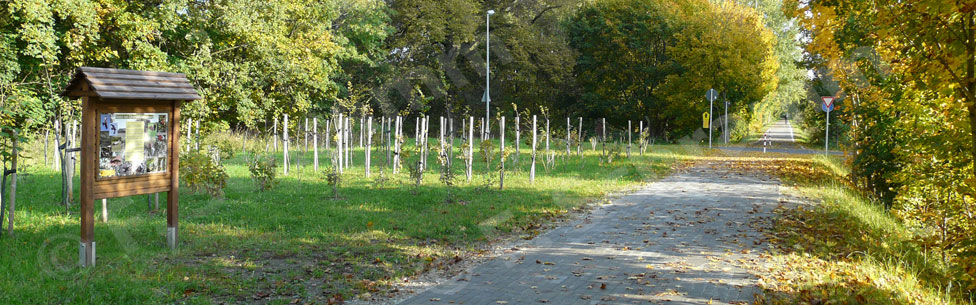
[173, 198]
[87, 182]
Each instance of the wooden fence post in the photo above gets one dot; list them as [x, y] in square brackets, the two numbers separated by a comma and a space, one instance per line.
[628, 138]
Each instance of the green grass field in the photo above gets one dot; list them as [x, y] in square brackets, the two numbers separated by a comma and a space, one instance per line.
[841, 247]
[294, 242]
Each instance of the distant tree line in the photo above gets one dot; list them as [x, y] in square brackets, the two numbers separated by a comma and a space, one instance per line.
[255, 60]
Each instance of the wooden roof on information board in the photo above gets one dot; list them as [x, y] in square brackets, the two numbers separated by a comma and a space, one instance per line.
[108, 83]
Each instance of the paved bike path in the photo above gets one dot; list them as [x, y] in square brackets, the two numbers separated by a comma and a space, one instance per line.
[686, 239]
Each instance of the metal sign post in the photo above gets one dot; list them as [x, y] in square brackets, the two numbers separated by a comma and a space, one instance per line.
[711, 95]
[487, 97]
[827, 106]
[725, 129]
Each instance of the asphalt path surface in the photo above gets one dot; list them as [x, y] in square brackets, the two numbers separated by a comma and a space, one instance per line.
[781, 139]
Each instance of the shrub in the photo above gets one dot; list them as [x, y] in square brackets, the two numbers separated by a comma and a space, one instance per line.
[613, 152]
[199, 172]
[225, 148]
[487, 150]
[332, 176]
[263, 170]
[414, 168]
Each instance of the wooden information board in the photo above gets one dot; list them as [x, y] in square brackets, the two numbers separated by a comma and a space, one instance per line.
[129, 140]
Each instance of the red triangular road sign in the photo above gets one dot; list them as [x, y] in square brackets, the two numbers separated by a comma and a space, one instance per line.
[828, 100]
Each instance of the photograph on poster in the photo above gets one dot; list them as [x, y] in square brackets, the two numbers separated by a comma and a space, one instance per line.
[132, 144]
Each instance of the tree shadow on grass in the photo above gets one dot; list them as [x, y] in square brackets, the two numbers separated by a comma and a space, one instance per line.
[293, 242]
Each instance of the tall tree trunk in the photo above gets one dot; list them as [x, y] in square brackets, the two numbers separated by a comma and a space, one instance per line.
[971, 81]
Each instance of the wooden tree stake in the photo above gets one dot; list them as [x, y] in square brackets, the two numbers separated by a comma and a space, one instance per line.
[532, 169]
[501, 154]
[369, 145]
[470, 151]
[315, 144]
[284, 140]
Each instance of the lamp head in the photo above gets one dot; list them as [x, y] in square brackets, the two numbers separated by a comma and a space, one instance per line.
[491, 12]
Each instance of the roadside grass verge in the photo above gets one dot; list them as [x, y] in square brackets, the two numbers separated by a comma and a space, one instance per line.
[295, 243]
[833, 245]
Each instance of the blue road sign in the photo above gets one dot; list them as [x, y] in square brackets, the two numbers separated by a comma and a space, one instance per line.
[711, 95]
[825, 108]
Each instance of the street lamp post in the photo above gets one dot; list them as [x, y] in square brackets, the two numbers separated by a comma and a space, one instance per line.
[487, 98]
